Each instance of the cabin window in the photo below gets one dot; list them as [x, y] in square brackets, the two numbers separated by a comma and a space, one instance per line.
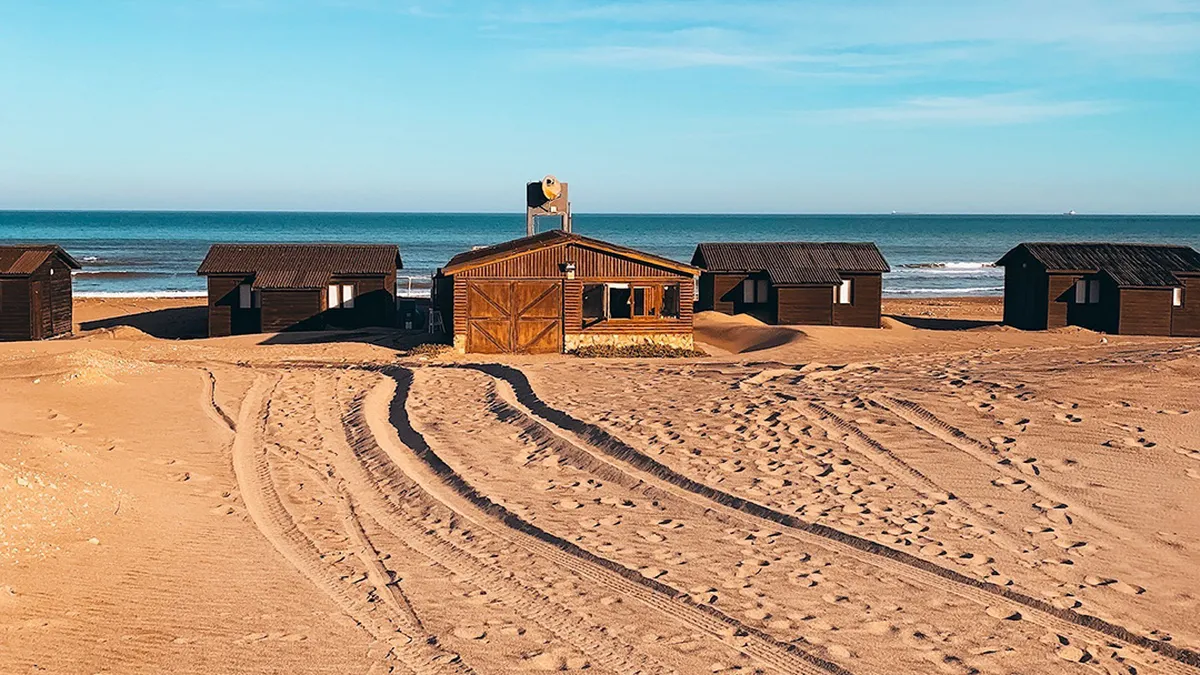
[245, 296]
[844, 292]
[755, 291]
[641, 301]
[670, 303]
[619, 296]
[1087, 292]
[1177, 297]
[340, 296]
[593, 302]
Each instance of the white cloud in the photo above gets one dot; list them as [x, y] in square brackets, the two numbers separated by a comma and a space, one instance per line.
[986, 110]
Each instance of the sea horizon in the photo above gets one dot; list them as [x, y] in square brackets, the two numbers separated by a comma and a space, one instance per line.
[154, 253]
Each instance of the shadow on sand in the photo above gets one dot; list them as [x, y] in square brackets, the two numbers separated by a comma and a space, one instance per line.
[929, 323]
[389, 338]
[176, 323]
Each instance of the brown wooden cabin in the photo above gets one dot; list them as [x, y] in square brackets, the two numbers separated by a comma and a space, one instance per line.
[556, 291]
[35, 292]
[825, 284]
[269, 288]
[1132, 289]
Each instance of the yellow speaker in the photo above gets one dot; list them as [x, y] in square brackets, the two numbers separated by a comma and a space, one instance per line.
[551, 188]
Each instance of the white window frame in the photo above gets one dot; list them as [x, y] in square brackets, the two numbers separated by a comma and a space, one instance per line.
[844, 292]
[1177, 297]
[608, 299]
[347, 296]
[333, 296]
[245, 296]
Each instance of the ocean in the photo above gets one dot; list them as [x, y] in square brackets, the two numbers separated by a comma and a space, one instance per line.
[144, 253]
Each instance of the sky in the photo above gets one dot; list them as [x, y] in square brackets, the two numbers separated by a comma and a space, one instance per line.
[808, 106]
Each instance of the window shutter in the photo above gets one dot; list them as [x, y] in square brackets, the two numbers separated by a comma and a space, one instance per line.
[1177, 297]
[748, 291]
[1094, 291]
[334, 301]
[762, 291]
[348, 296]
[244, 295]
[1080, 292]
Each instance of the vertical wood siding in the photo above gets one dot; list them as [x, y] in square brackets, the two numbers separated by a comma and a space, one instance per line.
[545, 263]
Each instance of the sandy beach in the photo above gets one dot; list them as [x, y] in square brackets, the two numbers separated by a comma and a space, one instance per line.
[944, 494]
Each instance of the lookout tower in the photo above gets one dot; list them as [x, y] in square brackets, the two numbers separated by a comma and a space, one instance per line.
[547, 206]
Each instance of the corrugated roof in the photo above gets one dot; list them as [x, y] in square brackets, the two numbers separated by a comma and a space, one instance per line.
[291, 279]
[1128, 264]
[508, 249]
[791, 262]
[300, 265]
[21, 261]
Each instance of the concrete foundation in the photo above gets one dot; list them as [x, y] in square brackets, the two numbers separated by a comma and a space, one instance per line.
[677, 340]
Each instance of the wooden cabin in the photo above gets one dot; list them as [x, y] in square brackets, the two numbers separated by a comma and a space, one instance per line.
[269, 288]
[35, 292]
[557, 291]
[823, 284]
[1132, 289]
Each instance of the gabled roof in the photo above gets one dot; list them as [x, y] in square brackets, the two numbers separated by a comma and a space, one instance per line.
[300, 266]
[22, 261]
[791, 263]
[1137, 265]
[510, 249]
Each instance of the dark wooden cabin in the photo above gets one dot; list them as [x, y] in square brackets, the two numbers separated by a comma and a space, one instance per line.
[556, 291]
[825, 284]
[1132, 289]
[35, 292]
[269, 288]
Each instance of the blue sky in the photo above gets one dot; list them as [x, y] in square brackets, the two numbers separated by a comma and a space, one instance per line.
[802, 107]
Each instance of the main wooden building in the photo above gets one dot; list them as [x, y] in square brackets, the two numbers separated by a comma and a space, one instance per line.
[556, 291]
[35, 292]
[812, 283]
[1134, 289]
[268, 288]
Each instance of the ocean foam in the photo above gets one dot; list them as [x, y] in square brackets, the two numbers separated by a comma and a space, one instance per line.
[140, 294]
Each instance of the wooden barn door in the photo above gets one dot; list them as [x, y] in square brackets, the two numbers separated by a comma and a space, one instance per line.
[514, 317]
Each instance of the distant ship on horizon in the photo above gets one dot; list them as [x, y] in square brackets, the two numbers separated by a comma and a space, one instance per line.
[1072, 212]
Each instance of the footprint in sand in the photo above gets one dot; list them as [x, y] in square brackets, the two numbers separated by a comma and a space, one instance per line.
[1130, 442]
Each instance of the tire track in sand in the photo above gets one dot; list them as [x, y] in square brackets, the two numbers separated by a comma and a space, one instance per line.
[931, 425]
[387, 417]
[1179, 660]
[360, 460]
[407, 648]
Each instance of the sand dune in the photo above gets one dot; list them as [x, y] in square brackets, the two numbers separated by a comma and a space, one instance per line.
[811, 500]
